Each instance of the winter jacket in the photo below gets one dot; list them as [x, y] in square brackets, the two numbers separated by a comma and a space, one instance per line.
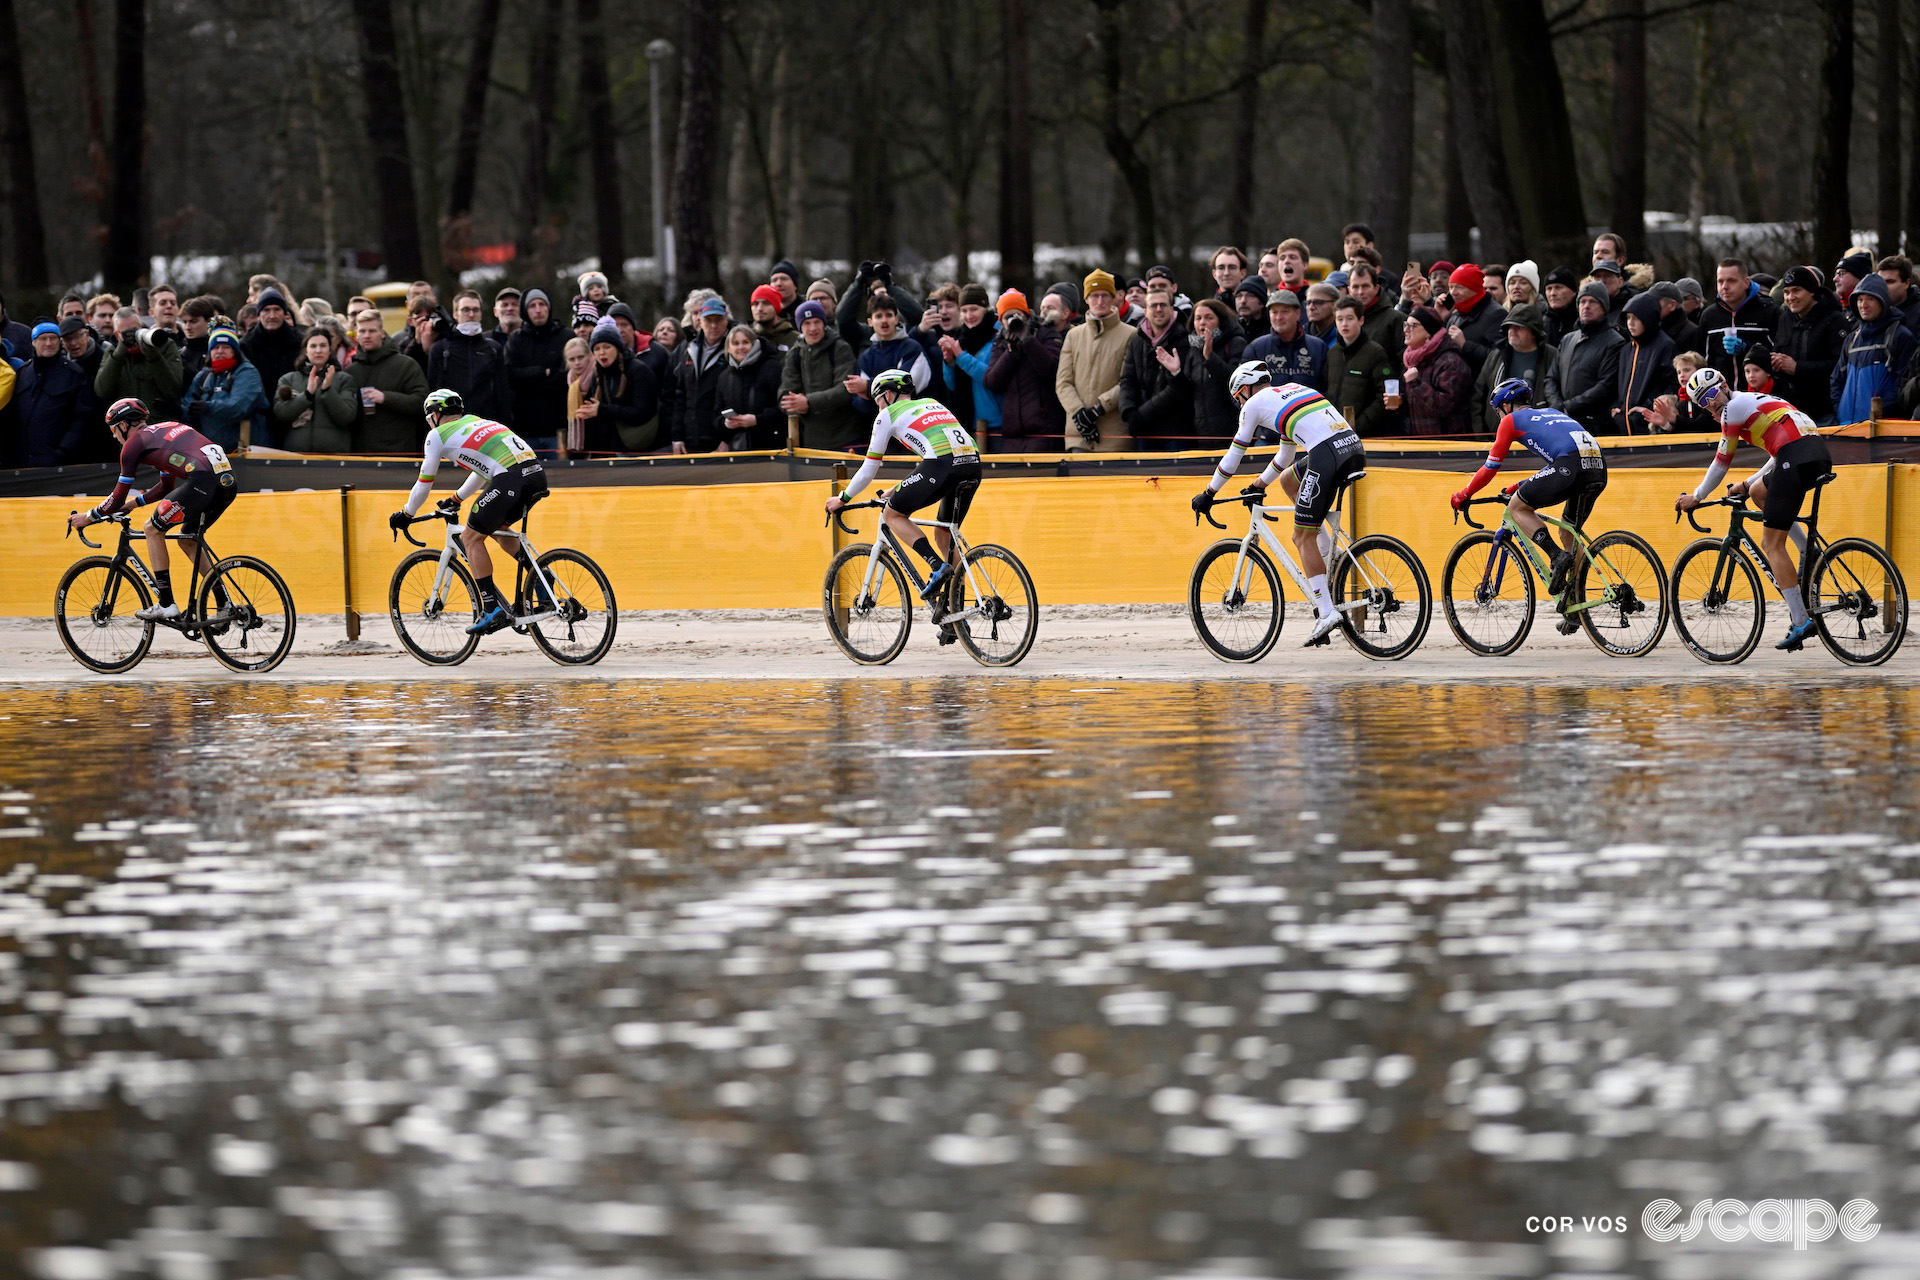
[1645, 370]
[193, 354]
[1498, 369]
[1873, 361]
[1022, 375]
[153, 375]
[1684, 332]
[664, 363]
[1157, 405]
[220, 405]
[1481, 330]
[780, 335]
[52, 408]
[536, 358]
[1589, 368]
[1386, 326]
[395, 425]
[846, 316]
[912, 351]
[1301, 358]
[819, 371]
[629, 400]
[1091, 361]
[274, 352]
[474, 366]
[753, 387]
[696, 415]
[1754, 320]
[1356, 382]
[1562, 321]
[1215, 416]
[965, 377]
[319, 423]
[1439, 394]
[1814, 342]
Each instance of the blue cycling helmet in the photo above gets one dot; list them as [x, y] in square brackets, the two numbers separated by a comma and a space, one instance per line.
[1514, 391]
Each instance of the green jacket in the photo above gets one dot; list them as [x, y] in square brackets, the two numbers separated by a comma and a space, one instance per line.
[819, 371]
[397, 425]
[154, 376]
[321, 423]
[1356, 381]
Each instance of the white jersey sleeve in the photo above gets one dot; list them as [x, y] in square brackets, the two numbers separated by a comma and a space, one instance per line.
[429, 468]
[876, 450]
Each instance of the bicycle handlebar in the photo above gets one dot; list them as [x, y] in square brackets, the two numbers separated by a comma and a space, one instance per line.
[1248, 498]
[833, 517]
[436, 514]
[118, 517]
[1460, 512]
[1730, 500]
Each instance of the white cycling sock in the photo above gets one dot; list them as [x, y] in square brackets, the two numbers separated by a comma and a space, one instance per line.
[1322, 602]
[1799, 537]
[1796, 607]
[1325, 541]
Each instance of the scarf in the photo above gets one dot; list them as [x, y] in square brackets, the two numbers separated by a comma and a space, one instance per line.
[1416, 356]
[975, 336]
[753, 357]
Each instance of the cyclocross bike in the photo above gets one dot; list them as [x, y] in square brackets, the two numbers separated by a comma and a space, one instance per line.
[433, 600]
[1854, 593]
[989, 605]
[1617, 591]
[1237, 604]
[94, 606]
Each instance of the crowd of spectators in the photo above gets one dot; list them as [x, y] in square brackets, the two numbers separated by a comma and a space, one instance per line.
[1101, 364]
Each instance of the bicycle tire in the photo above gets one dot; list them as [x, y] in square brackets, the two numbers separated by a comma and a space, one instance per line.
[1375, 578]
[1499, 621]
[434, 631]
[1721, 626]
[95, 620]
[260, 607]
[1021, 617]
[1643, 585]
[1834, 582]
[848, 615]
[575, 592]
[1236, 610]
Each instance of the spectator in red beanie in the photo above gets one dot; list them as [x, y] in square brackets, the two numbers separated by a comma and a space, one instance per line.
[1477, 322]
[766, 305]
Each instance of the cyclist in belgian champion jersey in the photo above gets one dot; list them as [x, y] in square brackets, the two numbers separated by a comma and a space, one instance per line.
[196, 487]
[1576, 471]
[1303, 420]
[948, 473]
[1797, 459]
[504, 463]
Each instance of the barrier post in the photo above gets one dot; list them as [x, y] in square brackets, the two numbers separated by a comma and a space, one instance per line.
[346, 565]
[1886, 540]
[793, 432]
[839, 484]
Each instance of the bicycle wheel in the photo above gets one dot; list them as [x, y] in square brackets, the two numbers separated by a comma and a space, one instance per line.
[433, 624]
[1859, 601]
[1237, 605]
[583, 632]
[1632, 589]
[870, 627]
[1385, 573]
[1487, 588]
[1718, 610]
[93, 611]
[996, 586]
[252, 631]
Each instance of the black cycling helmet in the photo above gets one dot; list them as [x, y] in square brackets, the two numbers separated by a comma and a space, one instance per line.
[127, 413]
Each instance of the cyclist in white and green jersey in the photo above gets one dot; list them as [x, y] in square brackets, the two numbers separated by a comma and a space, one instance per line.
[514, 481]
[949, 470]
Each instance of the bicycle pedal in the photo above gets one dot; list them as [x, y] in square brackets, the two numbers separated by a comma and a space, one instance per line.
[1319, 642]
[949, 635]
[1567, 626]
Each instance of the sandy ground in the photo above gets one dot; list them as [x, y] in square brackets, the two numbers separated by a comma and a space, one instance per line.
[1081, 642]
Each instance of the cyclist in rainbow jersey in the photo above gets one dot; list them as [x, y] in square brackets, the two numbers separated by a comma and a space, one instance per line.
[1797, 459]
[1306, 422]
[949, 470]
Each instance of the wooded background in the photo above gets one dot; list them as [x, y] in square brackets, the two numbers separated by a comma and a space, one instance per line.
[415, 131]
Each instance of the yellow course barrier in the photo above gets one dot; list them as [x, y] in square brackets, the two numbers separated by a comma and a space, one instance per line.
[1086, 540]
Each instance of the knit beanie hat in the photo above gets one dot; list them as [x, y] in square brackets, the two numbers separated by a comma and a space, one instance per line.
[1255, 286]
[1429, 320]
[974, 295]
[271, 297]
[590, 278]
[46, 329]
[1597, 291]
[767, 293]
[809, 310]
[608, 332]
[787, 269]
[1011, 300]
[1560, 275]
[539, 293]
[827, 285]
[1096, 281]
[1470, 275]
[1690, 288]
[1065, 292]
[1528, 270]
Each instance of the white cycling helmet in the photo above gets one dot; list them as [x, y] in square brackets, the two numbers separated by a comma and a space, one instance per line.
[1251, 374]
[1706, 387]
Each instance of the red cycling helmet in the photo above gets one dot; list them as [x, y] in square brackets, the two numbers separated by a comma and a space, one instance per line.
[127, 413]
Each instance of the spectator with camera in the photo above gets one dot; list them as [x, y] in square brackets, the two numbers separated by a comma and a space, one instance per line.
[1021, 367]
[145, 364]
[873, 278]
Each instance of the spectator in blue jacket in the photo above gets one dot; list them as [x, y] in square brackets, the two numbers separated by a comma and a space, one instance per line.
[226, 398]
[1873, 359]
[52, 404]
[967, 353]
[892, 349]
[1290, 352]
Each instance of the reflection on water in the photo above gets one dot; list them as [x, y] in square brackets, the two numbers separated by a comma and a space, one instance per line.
[949, 979]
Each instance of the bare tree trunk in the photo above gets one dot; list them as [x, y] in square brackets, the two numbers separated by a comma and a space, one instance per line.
[1702, 114]
[125, 264]
[699, 143]
[99, 185]
[1913, 161]
[1253, 57]
[1016, 152]
[29, 232]
[796, 189]
[1476, 135]
[279, 133]
[543, 94]
[387, 139]
[1833, 136]
[1629, 153]
[1459, 210]
[1536, 131]
[323, 157]
[779, 155]
[603, 145]
[1134, 174]
[733, 262]
[473, 111]
[1392, 64]
[1892, 53]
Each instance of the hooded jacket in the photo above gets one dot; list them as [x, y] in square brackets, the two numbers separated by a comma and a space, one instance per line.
[1645, 367]
[819, 371]
[1873, 360]
[1157, 405]
[221, 405]
[752, 386]
[1589, 371]
[1022, 375]
[396, 424]
[536, 357]
[473, 365]
[1814, 342]
[910, 350]
[1500, 365]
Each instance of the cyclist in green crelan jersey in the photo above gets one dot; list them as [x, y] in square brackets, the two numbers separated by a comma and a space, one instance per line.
[514, 481]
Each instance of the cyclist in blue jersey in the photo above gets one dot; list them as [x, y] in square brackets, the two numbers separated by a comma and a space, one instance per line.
[1575, 473]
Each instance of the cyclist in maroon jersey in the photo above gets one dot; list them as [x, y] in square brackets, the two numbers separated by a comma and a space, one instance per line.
[196, 487]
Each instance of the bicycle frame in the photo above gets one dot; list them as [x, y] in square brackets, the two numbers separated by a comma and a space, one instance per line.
[443, 575]
[1738, 537]
[1509, 536]
[124, 554]
[1257, 524]
[957, 556]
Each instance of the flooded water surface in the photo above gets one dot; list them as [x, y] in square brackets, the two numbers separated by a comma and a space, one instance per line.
[867, 981]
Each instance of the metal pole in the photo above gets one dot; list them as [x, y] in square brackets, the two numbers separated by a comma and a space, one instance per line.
[346, 564]
[658, 52]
